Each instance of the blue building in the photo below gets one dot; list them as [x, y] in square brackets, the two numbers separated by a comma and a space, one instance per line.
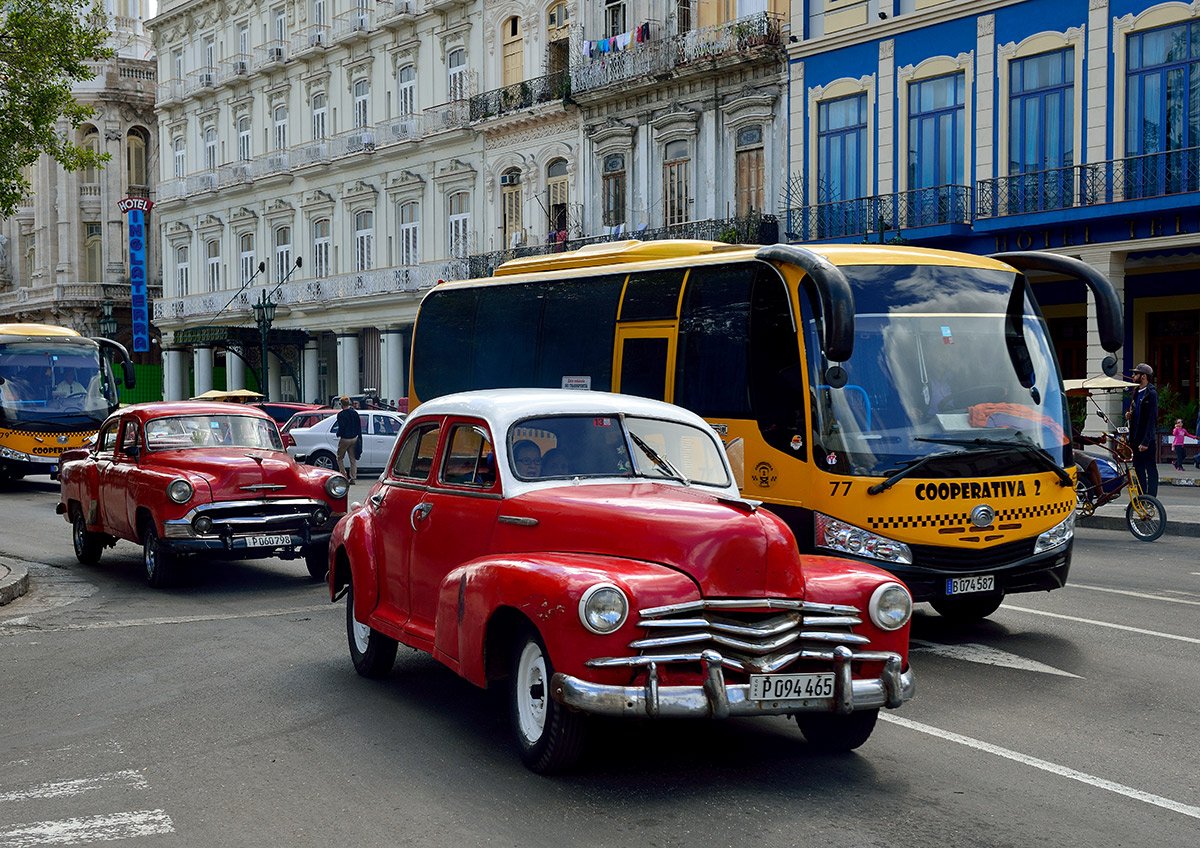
[992, 125]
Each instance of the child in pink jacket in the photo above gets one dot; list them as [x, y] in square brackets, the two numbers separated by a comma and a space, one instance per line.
[1179, 432]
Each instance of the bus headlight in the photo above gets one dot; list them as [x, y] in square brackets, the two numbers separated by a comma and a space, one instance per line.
[603, 608]
[890, 606]
[1059, 534]
[846, 538]
[180, 491]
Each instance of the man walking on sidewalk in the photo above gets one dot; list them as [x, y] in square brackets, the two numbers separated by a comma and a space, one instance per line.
[349, 427]
[1142, 416]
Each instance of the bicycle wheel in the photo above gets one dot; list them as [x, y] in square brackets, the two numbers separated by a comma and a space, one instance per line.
[1146, 517]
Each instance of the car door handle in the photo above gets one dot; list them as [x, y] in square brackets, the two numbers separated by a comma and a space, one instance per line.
[420, 513]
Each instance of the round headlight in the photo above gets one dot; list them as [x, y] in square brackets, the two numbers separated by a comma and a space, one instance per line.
[891, 606]
[203, 525]
[179, 491]
[603, 608]
[337, 486]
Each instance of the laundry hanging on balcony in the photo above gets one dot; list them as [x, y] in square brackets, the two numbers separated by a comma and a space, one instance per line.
[617, 43]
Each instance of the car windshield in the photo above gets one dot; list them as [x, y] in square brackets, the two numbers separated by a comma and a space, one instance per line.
[180, 432]
[55, 383]
[945, 360]
[570, 446]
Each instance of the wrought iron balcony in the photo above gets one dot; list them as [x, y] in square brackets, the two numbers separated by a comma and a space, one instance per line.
[67, 295]
[921, 207]
[521, 95]
[658, 56]
[356, 23]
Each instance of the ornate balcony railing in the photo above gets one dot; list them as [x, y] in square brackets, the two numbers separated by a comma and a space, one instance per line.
[920, 207]
[67, 294]
[355, 23]
[521, 95]
[659, 56]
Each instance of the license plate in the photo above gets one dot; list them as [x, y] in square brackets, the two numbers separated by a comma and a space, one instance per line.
[790, 687]
[268, 541]
[965, 585]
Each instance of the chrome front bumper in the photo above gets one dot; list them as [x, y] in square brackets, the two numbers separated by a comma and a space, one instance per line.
[715, 699]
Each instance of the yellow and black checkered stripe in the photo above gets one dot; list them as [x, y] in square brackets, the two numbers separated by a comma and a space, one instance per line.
[1039, 511]
[948, 519]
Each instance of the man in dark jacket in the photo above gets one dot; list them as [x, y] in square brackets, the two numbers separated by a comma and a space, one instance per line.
[1142, 416]
[349, 428]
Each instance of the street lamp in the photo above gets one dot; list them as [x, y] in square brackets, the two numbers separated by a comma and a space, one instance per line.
[264, 315]
[108, 324]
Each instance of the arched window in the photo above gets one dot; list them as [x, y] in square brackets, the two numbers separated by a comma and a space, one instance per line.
[362, 98]
[182, 283]
[558, 197]
[511, 207]
[322, 240]
[320, 116]
[135, 157]
[512, 45]
[92, 252]
[246, 256]
[613, 189]
[283, 252]
[558, 34]
[243, 131]
[410, 233]
[178, 155]
[91, 141]
[280, 116]
[406, 80]
[458, 221]
[210, 148]
[749, 185]
[676, 182]
[456, 74]
[364, 240]
[212, 251]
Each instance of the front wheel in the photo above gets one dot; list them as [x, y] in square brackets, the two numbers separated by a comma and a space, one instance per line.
[324, 459]
[158, 563]
[88, 545]
[831, 733]
[373, 653]
[549, 735]
[316, 557]
[1146, 517]
[966, 610]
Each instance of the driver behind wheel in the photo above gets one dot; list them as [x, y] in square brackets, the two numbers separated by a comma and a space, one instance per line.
[69, 385]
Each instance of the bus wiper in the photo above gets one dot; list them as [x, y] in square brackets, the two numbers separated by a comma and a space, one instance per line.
[904, 472]
[661, 461]
[1020, 441]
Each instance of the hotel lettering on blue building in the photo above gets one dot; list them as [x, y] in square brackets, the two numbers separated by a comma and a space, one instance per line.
[1064, 125]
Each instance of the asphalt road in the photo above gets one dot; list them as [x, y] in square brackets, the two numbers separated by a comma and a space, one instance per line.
[225, 712]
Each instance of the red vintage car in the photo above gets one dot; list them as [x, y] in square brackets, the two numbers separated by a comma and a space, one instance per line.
[205, 479]
[592, 552]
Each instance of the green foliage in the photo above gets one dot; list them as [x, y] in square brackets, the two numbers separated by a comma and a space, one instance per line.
[45, 48]
[1172, 405]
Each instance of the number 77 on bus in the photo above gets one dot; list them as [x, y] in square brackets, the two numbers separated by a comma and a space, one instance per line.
[898, 405]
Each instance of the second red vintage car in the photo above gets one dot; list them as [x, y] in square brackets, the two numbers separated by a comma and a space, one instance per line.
[209, 480]
[591, 552]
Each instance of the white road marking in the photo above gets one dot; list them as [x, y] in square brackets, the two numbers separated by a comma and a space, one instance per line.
[10, 630]
[1044, 765]
[131, 779]
[976, 653]
[1107, 624]
[88, 829]
[1130, 593]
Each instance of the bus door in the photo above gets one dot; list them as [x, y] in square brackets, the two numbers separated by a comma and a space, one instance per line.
[643, 357]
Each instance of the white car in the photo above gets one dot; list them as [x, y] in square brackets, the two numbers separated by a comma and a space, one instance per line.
[318, 444]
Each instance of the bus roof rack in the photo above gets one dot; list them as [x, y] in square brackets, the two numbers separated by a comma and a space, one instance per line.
[611, 253]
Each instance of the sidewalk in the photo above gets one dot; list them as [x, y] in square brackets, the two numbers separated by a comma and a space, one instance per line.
[1179, 492]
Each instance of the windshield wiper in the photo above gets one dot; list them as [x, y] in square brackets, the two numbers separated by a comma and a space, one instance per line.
[661, 461]
[905, 472]
[1019, 441]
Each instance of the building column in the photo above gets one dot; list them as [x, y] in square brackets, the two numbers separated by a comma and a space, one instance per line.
[1112, 265]
[174, 374]
[312, 364]
[347, 364]
[392, 342]
[202, 365]
[235, 370]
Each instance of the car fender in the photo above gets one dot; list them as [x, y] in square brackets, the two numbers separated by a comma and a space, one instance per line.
[829, 580]
[545, 589]
[354, 538]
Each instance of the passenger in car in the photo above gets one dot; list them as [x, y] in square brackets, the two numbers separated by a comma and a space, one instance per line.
[555, 463]
[527, 459]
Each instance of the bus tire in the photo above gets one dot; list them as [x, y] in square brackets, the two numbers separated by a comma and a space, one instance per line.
[967, 610]
[1147, 520]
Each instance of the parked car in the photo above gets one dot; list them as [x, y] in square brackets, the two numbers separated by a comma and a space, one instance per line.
[318, 443]
[591, 552]
[306, 418]
[283, 411]
[193, 478]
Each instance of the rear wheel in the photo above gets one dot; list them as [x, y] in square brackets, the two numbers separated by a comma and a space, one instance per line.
[158, 563]
[88, 545]
[831, 733]
[1146, 517]
[316, 557]
[324, 459]
[549, 735]
[966, 610]
[373, 653]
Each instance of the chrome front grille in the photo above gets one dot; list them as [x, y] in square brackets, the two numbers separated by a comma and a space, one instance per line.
[755, 635]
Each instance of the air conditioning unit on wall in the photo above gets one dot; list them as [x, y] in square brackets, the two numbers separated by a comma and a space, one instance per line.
[240, 68]
[510, 179]
[317, 39]
[275, 54]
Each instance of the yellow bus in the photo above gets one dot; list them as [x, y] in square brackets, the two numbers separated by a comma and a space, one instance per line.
[56, 387]
[898, 405]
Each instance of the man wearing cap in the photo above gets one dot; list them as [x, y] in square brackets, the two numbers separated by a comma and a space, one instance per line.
[1142, 416]
[349, 428]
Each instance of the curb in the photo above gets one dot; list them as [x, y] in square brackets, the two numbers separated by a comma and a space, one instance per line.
[1113, 522]
[14, 582]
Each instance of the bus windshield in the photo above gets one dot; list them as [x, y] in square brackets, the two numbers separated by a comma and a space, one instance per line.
[55, 383]
[946, 361]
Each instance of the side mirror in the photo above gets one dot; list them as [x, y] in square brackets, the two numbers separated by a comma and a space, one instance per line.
[300, 458]
[134, 452]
